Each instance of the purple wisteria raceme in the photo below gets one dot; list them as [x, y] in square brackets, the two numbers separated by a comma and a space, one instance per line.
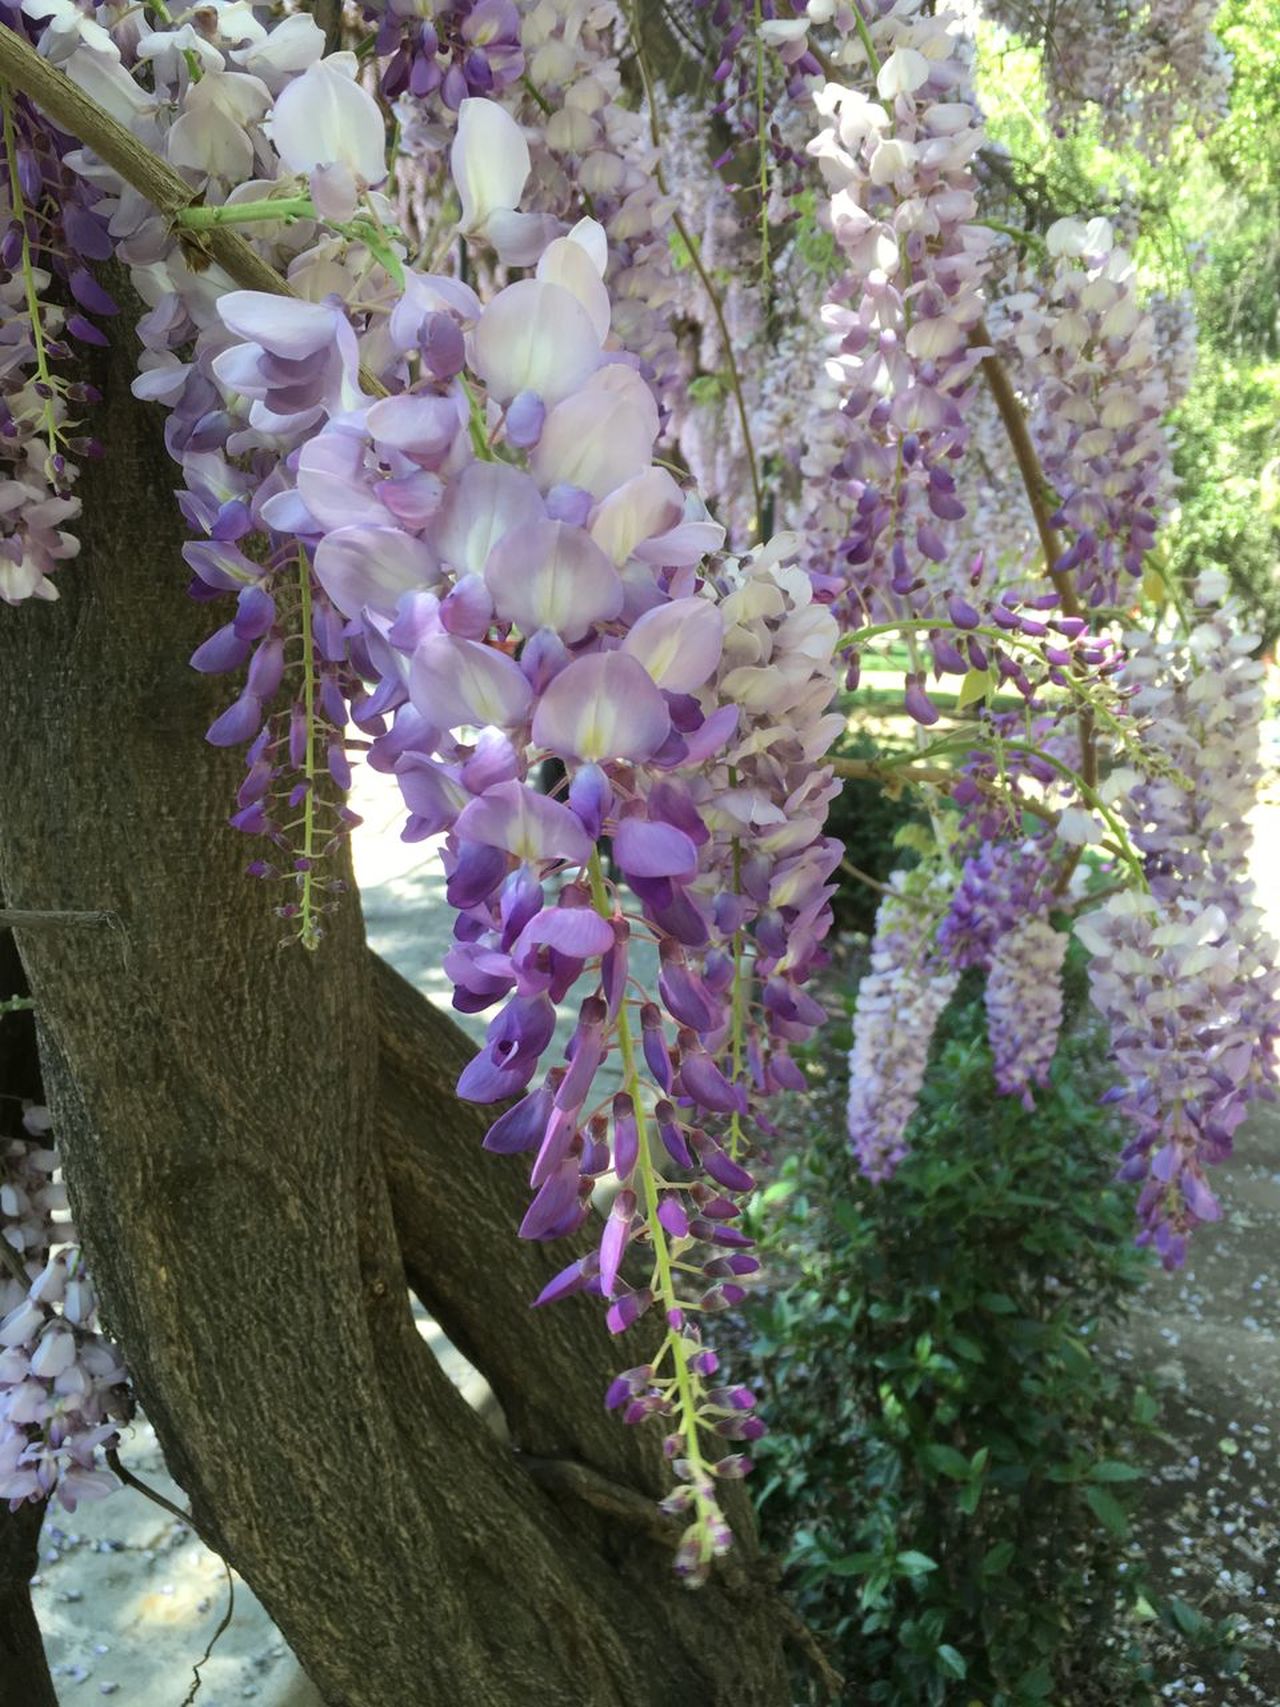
[1000, 886]
[1187, 976]
[1166, 978]
[900, 1001]
[901, 318]
[1024, 1006]
[518, 582]
[1141, 73]
[63, 1388]
[51, 229]
[1087, 357]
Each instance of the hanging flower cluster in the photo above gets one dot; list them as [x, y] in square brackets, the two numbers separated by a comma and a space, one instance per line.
[1186, 976]
[50, 229]
[900, 1001]
[267, 119]
[1024, 1005]
[446, 507]
[902, 319]
[459, 49]
[521, 584]
[1167, 980]
[1143, 72]
[999, 886]
[1087, 356]
[63, 1387]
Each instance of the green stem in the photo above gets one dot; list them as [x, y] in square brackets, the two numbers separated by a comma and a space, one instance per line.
[685, 1381]
[246, 213]
[864, 36]
[308, 927]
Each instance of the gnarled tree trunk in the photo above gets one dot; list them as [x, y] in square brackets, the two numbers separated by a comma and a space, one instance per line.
[258, 1143]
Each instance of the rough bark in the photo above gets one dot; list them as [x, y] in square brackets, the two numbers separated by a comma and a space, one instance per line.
[217, 1102]
[24, 1671]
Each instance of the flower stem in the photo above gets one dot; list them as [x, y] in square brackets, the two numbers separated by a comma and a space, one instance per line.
[685, 1380]
[246, 213]
[308, 926]
[28, 278]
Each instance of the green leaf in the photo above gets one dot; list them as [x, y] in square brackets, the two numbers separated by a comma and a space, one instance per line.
[977, 685]
[964, 1347]
[968, 1497]
[854, 1564]
[1112, 1470]
[946, 1460]
[914, 1564]
[706, 388]
[1188, 1620]
[997, 1303]
[1037, 1684]
[1108, 1513]
[998, 1559]
[951, 1661]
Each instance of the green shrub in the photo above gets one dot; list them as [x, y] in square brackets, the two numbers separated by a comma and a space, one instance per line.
[952, 1460]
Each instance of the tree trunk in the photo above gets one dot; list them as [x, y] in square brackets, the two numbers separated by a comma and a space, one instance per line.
[223, 1106]
[24, 1671]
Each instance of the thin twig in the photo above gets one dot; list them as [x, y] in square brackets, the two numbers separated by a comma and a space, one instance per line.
[872, 770]
[695, 255]
[566, 1475]
[149, 1493]
[223, 1627]
[1033, 479]
[1037, 490]
[26, 918]
[14, 1263]
[866, 877]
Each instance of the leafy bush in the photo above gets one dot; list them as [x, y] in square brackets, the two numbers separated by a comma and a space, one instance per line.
[952, 1461]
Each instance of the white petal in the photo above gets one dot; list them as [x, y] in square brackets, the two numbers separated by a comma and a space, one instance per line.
[535, 337]
[323, 118]
[600, 437]
[489, 161]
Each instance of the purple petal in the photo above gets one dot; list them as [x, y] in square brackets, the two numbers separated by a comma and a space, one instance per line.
[603, 706]
[578, 932]
[454, 682]
[530, 826]
[359, 566]
[653, 850]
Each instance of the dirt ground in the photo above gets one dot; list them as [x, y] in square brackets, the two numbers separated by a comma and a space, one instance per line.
[1208, 1341]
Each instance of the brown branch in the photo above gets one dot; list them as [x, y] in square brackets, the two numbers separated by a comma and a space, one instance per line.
[14, 1263]
[695, 255]
[1033, 479]
[27, 918]
[580, 1481]
[1037, 489]
[75, 113]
